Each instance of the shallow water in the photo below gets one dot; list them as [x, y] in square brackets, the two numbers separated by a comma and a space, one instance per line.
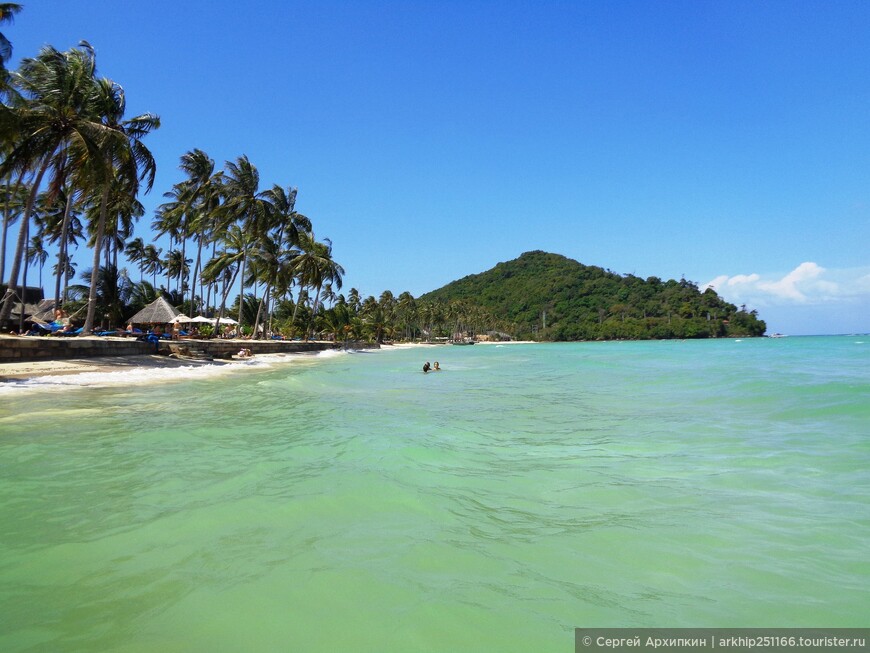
[353, 502]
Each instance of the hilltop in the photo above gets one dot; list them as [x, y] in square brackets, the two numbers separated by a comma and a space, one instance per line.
[551, 297]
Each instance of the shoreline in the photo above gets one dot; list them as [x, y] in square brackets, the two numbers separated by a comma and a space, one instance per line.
[17, 372]
[26, 370]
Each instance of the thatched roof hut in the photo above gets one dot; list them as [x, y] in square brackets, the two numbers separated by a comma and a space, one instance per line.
[159, 311]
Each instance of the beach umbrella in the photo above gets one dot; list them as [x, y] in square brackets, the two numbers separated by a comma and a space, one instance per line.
[181, 318]
[202, 318]
[227, 320]
[159, 311]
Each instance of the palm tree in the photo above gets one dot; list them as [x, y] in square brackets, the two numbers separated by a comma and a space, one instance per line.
[14, 200]
[68, 271]
[199, 196]
[114, 291]
[167, 221]
[135, 253]
[374, 318]
[152, 261]
[315, 266]
[354, 301]
[124, 211]
[65, 229]
[177, 268]
[124, 158]
[141, 294]
[244, 203]
[56, 128]
[406, 311]
[7, 13]
[36, 253]
[227, 265]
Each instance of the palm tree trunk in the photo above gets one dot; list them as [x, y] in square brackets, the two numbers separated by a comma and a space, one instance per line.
[22, 291]
[226, 292]
[181, 270]
[314, 310]
[168, 268]
[62, 252]
[65, 293]
[7, 214]
[242, 288]
[95, 273]
[6, 310]
[296, 308]
[193, 278]
[211, 283]
[260, 308]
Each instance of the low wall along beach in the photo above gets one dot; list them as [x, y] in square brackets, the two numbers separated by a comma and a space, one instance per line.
[19, 348]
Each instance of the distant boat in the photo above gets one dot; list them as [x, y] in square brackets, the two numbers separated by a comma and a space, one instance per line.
[777, 335]
[463, 341]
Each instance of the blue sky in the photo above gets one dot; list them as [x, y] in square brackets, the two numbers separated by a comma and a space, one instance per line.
[727, 142]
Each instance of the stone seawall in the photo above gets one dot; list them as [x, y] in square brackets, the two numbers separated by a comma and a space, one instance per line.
[229, 348]
[18, 348]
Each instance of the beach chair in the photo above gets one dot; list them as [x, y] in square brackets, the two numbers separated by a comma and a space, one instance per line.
[68, 334]
[48, 327]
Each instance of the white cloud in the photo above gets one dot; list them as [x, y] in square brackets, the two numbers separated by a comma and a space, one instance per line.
[808, 284]
[797, 283]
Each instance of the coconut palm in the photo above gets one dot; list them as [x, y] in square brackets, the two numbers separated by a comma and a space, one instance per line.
[113, 294]
[406, 313]
[177, 267]
[56, 129]
[135, 253]
[124, 158]
[374, 318]
[167, 221]
[354, 301]
[246, 204]
[36, 253]
[141, 294]
[200, 196]
[314, 266]
[124, 211]
[227, 264]
[14, 198]
[63, 228]
[7, 13]
[69, 272]
[152, 261]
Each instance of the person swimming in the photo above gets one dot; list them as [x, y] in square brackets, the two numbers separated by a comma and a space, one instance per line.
[437, 367]
[426, 367]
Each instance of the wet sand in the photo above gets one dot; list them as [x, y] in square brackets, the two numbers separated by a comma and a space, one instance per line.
[35, 369]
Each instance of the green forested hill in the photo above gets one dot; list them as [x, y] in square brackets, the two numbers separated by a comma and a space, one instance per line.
[551, 297]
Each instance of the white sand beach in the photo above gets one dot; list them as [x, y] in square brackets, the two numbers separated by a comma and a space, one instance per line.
[35, 369]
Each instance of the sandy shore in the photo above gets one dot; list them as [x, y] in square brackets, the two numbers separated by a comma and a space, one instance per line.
[35, 369]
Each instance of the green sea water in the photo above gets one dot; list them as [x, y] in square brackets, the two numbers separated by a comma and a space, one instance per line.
[351, 502]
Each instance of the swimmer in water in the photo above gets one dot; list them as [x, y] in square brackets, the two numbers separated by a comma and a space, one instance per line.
[437, 367]
[426, 368]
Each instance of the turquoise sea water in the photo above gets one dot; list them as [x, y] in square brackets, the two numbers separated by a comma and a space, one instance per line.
[351, 502]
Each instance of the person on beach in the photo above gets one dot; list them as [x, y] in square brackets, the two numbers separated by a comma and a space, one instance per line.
[437, 367]
[426, 367]
[60, 317]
